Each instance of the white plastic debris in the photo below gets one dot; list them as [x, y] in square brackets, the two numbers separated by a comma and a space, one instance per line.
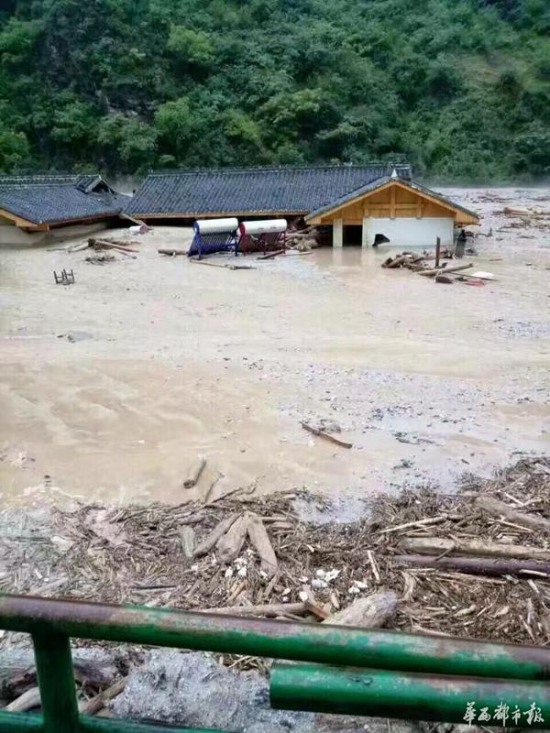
[229, 573]
[482, 275]
[318, 583]
[286, 592]
[303, 579]
[356, 587]
[320, 573]
[303, 596]
[332, 575]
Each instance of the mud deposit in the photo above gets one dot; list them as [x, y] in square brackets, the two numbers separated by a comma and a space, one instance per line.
[111, 387]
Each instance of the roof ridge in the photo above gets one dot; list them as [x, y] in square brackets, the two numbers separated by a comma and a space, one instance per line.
[268, 169]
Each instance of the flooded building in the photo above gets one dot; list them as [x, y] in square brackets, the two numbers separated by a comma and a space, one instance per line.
[356, 202]
[33, 207]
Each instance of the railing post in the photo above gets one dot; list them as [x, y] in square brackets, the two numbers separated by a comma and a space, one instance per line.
[54, 668]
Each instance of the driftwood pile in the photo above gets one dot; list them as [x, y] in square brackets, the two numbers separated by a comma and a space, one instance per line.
[304, 240]
[425, 264]
[525, 218]
[474, 564]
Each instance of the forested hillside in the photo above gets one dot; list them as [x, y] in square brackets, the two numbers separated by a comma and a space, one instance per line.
[459, 87]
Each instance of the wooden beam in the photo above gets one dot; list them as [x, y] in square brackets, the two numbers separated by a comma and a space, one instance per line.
[419, 207]
[392, 202]
[17, 220]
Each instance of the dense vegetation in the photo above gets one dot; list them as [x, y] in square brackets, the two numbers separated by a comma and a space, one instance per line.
[459, 87]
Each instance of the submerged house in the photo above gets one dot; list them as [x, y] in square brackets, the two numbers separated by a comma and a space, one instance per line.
[356, 202]
[33, 206]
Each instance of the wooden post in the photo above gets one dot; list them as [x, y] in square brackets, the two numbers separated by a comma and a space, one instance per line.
[337, 233]
[437, 251]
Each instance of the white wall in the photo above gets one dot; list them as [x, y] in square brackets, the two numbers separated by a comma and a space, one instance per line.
[405, 232]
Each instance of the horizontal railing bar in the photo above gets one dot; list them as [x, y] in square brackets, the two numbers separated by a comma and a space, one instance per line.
[381, 693]
[275, 639]
[20, 723]
[112, 725]
[31, 723]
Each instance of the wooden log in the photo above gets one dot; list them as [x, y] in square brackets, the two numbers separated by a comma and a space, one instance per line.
[326, 436]
[479, 548]
[475, 565]
[231, 543]
[272, 609]
[27, 701]
[433, 272]
[500, 509]
[172, 252]
[97, 703]
[194, 472]
[262, 544]
[219, 530]
[371, 612]
[437, 251]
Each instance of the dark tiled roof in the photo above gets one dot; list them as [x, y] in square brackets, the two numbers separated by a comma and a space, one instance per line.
[373, 185]
[52, 198]
[196, 193]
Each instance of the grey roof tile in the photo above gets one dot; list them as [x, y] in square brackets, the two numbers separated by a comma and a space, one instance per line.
[251, 190]
[58, 198]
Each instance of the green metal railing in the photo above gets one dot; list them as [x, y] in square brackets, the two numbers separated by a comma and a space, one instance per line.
[377, 673]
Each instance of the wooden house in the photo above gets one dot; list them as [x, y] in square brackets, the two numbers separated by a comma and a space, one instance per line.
[33, 206]
[357, 202]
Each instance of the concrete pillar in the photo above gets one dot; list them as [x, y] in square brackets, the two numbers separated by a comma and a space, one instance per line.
[338, 233]
[365, 232]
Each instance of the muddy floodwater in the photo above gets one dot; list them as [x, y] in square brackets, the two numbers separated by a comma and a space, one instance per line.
[111, 387]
